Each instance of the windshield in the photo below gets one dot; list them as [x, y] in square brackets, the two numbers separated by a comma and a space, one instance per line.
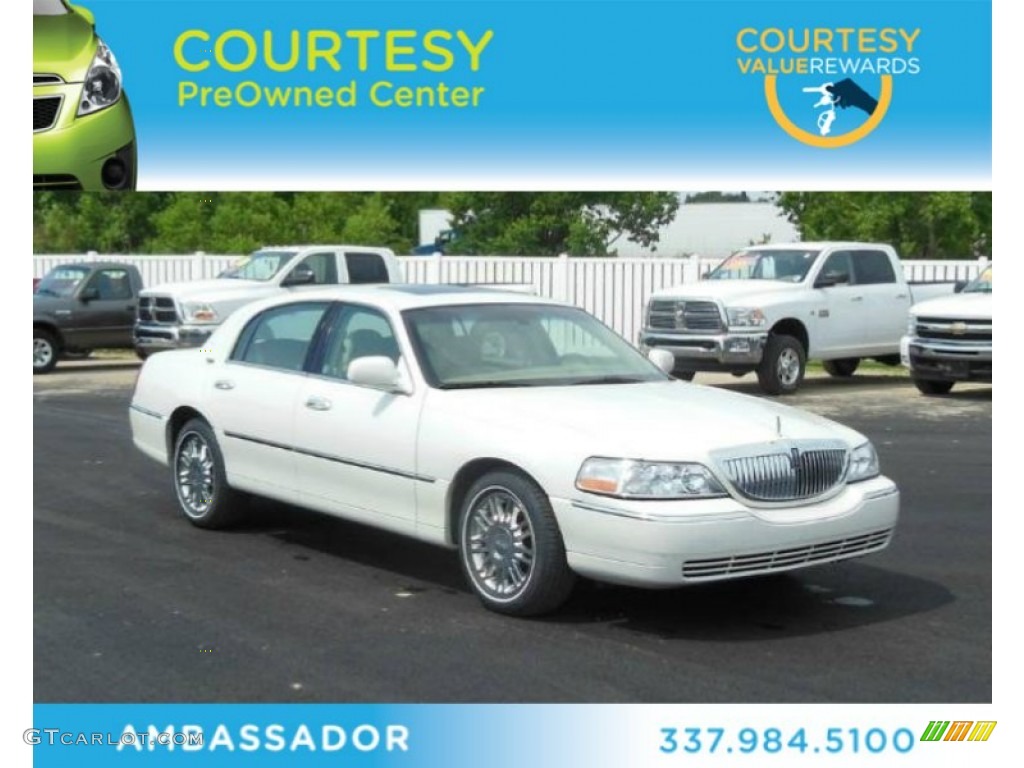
[48, 8]
[981, 284]
[774, 264]
[62, 281]
[521, 345]
[261, 265]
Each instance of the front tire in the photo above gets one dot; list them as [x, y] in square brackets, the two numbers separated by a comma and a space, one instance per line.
[930, 387]
[45, 351]
[842, 368]
[782, 368]
[510, 547]
[199, 478]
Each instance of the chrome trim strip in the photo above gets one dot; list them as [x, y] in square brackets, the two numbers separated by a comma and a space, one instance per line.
[331, 457]
[648, 518]
[146, 411]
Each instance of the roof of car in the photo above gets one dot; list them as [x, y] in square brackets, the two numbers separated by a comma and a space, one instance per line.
[97, 265]
[816, 245]
[402, 296]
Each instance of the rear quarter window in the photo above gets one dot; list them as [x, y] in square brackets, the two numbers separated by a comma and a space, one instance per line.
[873, 267]
[366, 268]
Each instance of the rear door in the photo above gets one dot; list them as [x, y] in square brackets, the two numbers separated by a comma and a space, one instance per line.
[886, 300]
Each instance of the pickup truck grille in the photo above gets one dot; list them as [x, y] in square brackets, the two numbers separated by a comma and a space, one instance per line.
[789, 474]
[946, 329]
[680, 315]
[158, 310]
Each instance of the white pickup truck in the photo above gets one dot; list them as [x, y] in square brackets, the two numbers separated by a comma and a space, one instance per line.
[176, 315]
[950, 339]
[771, 308]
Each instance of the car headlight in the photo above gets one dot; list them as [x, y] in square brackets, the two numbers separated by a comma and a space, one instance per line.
[199, 313]
[863, 463]
[629, 479]
[102, 86]
[746, 317]
[911, 325]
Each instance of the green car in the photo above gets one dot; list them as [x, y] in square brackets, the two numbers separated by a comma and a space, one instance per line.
[84, 137]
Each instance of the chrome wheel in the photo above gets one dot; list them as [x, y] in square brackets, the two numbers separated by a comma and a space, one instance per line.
[194, 474]
[788, 367]
[498, 543]
[42, 353]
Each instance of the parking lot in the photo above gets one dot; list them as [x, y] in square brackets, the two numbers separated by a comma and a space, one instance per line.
[134, 604]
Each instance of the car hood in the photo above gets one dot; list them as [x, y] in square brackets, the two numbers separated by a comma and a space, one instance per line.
[63, 45]
[729, 291]
[669, 420]
[226, 289]
[962, 306]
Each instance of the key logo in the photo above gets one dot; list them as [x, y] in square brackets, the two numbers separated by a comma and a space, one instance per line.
[829, 87]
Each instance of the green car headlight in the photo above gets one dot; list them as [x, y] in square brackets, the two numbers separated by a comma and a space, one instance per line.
[102, 86]
[628, 479]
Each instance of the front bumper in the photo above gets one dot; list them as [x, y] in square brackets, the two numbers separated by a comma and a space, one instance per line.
[947, 360]
[730, 350]
[157, 338]
[666, 544]
[72, 153]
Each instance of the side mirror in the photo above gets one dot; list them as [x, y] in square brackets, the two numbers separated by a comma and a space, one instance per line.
[303, 274]
[662, 358]
[832, 278]
[88, 294]
[959, 285]
[378, 372]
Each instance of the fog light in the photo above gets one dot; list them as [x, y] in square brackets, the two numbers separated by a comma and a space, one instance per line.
[738, 346]
[114, 173]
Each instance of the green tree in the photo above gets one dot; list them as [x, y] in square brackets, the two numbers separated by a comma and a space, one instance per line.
[921, 225]
[549, 223]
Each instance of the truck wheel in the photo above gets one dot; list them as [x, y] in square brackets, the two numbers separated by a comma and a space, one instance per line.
[44, 351]
[842, 368]
[782, 367]
[510, 547]
[200, 481]
[930, 387]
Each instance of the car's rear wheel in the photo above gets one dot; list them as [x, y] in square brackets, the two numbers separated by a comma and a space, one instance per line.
[930, 387]
[842, 368]
[511, 548]
[200, 482]
[44, 351]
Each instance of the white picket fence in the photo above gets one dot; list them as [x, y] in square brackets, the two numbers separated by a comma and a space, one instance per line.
[615, 290]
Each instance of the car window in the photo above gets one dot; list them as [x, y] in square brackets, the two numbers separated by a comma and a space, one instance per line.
[838, 263]
[324, 266]
[112, 284]
[62, 281]
[366, 268]
[280, 337]
[357, 332]
[873, 268]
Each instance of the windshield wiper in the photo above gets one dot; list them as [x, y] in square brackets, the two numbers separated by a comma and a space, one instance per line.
[609, 380]
[489, 384]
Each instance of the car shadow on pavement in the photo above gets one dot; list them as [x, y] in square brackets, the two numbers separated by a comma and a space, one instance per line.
[826, 598]
[816, 384]
[822, 599]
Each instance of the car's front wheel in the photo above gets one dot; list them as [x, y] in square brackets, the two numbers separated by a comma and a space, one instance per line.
[782, 368]
[200, 482]
[44, 351]
[511, 548]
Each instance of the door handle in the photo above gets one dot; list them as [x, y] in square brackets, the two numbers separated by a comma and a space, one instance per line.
[317, 403]
[857, 298]
[901, 295]
[224, 384]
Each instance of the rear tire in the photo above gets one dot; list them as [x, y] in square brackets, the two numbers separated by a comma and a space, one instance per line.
[842, 368]
[930, 387]
[510, 547]
[782, 368]
[45, 351]
[200, 482]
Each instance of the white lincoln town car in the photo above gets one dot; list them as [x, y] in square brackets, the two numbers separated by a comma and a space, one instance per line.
[520, 431]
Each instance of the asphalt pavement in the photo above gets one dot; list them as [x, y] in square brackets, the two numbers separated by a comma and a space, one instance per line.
[134, 604]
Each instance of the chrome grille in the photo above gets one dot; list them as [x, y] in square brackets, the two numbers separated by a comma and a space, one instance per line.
[789, 473]
[682, 315]
[158, 309]
[785, 559]
[44, 112]
[946, 329]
